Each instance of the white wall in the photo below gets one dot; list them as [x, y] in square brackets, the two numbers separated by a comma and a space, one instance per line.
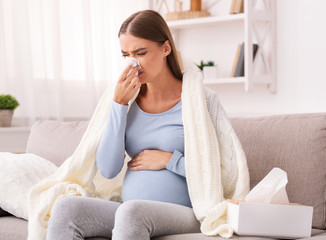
[301, 51]
[311, 48]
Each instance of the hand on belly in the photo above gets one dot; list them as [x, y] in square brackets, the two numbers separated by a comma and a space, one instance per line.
[150, 160]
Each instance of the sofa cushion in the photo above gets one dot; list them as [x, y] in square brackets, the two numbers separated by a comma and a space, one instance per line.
[316, 234]
[199, 236]
[295, 143]
[55, 140]
[13, 228]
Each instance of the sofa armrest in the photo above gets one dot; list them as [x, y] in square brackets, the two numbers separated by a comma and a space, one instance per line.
[295, 143]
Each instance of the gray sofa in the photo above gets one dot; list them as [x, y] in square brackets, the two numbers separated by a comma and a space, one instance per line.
[296, 143]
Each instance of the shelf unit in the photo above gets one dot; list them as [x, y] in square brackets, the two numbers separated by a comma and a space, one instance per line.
[204, 21]
[211, 81]
[250, 19]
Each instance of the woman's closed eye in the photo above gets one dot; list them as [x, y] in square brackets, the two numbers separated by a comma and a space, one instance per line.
[138, 54]
[141, 54]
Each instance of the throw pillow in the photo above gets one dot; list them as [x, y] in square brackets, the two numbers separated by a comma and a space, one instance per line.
[18, 173]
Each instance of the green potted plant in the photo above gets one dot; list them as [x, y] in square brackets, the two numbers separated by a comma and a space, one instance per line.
[208, 68]
[8, 104]
[204, 64]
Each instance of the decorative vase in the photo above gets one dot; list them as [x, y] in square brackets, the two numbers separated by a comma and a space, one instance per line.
[6, 117]
[178, 6]
[195, 5]
[210, 72]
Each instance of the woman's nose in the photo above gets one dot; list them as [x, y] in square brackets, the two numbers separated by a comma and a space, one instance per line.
[136, 57]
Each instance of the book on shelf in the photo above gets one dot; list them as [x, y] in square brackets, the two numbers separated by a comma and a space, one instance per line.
[238, 63]
[236, 60]
[236, 7]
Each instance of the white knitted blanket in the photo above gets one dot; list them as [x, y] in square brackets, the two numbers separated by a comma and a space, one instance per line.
[216, 166]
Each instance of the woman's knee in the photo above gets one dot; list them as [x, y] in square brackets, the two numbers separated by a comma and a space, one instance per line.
[131, 221]
[62, 221]
[66, 208]
[132, 210]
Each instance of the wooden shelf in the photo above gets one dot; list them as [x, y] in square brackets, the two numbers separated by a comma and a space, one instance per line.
[14, 129]
[224, 80]
[260, 79]
[205, 21]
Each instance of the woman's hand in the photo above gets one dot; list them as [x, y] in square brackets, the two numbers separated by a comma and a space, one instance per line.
[150, 160]
[127, 86]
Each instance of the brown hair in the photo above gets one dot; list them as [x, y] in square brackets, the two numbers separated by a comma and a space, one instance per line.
[150, 25]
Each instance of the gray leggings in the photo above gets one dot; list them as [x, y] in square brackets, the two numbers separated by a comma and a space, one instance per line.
[81, 217]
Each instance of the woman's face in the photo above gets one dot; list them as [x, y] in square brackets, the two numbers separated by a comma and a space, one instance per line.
[150, 55]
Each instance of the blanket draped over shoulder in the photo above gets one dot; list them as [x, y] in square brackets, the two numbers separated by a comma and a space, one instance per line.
[215, 163]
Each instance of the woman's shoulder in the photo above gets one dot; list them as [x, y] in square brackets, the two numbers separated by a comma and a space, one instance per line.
[209, 92]
[193, 75]
[212, 99]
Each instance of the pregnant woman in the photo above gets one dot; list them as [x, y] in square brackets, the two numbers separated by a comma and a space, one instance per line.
[146, 122]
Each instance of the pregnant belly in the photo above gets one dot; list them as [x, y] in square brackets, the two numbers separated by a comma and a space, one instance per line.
[162, 185]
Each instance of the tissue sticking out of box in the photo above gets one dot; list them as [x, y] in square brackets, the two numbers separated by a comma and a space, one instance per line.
[131, 61]
[271, 189]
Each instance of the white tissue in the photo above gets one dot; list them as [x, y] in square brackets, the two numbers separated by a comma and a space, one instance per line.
[131, 61]
[271, 189]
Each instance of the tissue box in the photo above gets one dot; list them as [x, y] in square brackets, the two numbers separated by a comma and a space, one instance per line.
[269, 220]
